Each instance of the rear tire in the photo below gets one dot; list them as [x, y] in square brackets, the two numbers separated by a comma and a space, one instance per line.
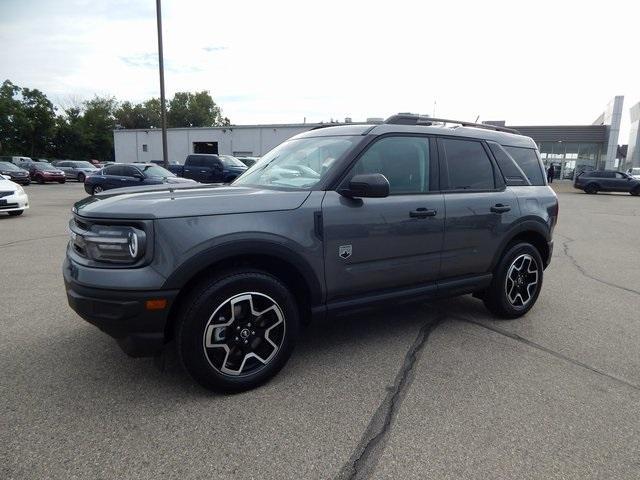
[15, 213]
[591, 189]
[237, 330]
[516, 283]
[61, 181]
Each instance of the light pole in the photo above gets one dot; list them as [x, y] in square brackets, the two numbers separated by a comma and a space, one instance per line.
[163, 109]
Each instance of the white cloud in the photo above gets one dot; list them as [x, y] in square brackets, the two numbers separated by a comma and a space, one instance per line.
[278, 61]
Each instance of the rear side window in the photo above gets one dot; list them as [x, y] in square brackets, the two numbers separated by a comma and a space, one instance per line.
[468, 165]
[193, 161]
[513, 175]
[527, 160]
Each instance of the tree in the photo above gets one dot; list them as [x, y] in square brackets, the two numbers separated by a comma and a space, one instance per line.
[99, 123]
[84, 130]
[9, 107]
[198, 109]
[139, 115]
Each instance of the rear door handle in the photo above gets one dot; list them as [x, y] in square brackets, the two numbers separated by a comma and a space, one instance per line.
[423, 213]
[500, 208]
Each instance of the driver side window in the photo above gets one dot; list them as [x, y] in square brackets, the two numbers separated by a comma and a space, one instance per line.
[404, 161]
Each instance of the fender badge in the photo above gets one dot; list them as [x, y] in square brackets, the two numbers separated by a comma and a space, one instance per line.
[344, 251]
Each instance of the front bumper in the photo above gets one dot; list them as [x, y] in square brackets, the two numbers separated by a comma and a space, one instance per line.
[15, 202]
[21, 180]
[121, 314]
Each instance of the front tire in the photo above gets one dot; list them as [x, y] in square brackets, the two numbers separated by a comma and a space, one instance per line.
[237, 330]
[516, 283]
[81, 177]
[40, 179]
[635, 192]
[96, 189]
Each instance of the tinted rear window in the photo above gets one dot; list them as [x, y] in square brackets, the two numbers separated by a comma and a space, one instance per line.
[527, 160]
[468, 165]
[513, 175]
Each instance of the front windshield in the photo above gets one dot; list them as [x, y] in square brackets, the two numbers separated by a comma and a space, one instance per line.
[156, 171]
[635, 171]
[44, 166]
[299, 163]
[83, 165]
[8, 166]
[231, 161]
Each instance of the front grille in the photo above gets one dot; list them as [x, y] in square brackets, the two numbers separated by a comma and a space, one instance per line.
[5, 194]
[8, 206]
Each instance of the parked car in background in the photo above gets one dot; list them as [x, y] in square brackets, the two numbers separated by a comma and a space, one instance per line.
[14, 159]
[13, 199]
[174, 166]
[76, 169]
[44, 172]
[15, 173]
[119, 175]
[634, 172]
[209, 168]
[249, 161]
[607, 181]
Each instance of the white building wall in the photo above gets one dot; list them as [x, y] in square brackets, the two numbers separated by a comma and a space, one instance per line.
[250, 140]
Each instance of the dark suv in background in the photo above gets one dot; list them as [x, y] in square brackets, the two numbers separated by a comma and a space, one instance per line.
[607, 181]
[333, 220]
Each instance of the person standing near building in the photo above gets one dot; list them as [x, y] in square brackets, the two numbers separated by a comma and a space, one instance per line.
[550, 173]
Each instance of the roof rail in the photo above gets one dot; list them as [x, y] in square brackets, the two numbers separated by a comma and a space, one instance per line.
[415, 119]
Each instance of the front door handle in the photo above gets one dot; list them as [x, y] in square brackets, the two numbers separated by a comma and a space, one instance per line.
[423, 213]
[500, 208]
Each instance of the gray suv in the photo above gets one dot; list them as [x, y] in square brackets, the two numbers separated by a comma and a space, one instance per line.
[333, 220]
[607, 181]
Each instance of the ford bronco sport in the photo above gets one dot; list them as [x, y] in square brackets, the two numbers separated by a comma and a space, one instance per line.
[332, 220]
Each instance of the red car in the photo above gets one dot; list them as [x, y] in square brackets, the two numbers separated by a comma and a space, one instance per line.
[45, 172]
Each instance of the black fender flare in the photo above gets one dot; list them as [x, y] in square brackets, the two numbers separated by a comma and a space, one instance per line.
[524, 226]
[218, 253]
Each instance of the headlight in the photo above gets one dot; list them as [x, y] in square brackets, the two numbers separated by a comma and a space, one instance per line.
[20, 190]
[109, 244]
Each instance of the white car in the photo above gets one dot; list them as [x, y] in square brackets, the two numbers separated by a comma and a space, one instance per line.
[634, 172]
[13, 199]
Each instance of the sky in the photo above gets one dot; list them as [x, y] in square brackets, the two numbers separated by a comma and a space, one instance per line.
[529, 63]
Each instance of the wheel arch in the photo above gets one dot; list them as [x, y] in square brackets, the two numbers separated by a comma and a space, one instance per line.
[529, 231]
[281, 262]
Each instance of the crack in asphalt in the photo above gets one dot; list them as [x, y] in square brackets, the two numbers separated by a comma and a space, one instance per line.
[368, 451]
[537, 346]
[581, 269]
[8, 244]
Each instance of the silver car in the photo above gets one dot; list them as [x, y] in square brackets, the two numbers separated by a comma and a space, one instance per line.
[76, 169]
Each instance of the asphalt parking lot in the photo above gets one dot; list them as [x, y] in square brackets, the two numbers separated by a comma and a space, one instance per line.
[440, 390]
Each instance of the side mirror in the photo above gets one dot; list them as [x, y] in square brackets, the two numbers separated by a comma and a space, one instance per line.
[139, 176]
[369, 185]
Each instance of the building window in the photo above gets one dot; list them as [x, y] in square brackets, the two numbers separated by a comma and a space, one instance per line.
[145, 148]
[570, 159]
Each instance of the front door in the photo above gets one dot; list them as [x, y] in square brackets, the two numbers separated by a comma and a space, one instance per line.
[378, 244]
[480, 210]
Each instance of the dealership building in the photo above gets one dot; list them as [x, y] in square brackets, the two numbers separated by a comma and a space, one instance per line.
[569, 148]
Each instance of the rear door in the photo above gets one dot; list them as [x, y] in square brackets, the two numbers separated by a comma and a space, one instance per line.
[480, 210]
[111, 176]
[385, 244]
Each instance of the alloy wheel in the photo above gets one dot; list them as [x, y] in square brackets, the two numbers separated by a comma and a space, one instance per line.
[243, 334]
[521, 282]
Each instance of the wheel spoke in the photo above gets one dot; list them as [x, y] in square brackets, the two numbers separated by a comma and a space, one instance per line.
[244, 333]
[521, 280]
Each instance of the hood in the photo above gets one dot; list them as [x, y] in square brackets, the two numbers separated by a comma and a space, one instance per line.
[186, 200]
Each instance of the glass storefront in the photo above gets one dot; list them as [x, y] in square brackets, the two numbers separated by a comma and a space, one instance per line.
[569, 159]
